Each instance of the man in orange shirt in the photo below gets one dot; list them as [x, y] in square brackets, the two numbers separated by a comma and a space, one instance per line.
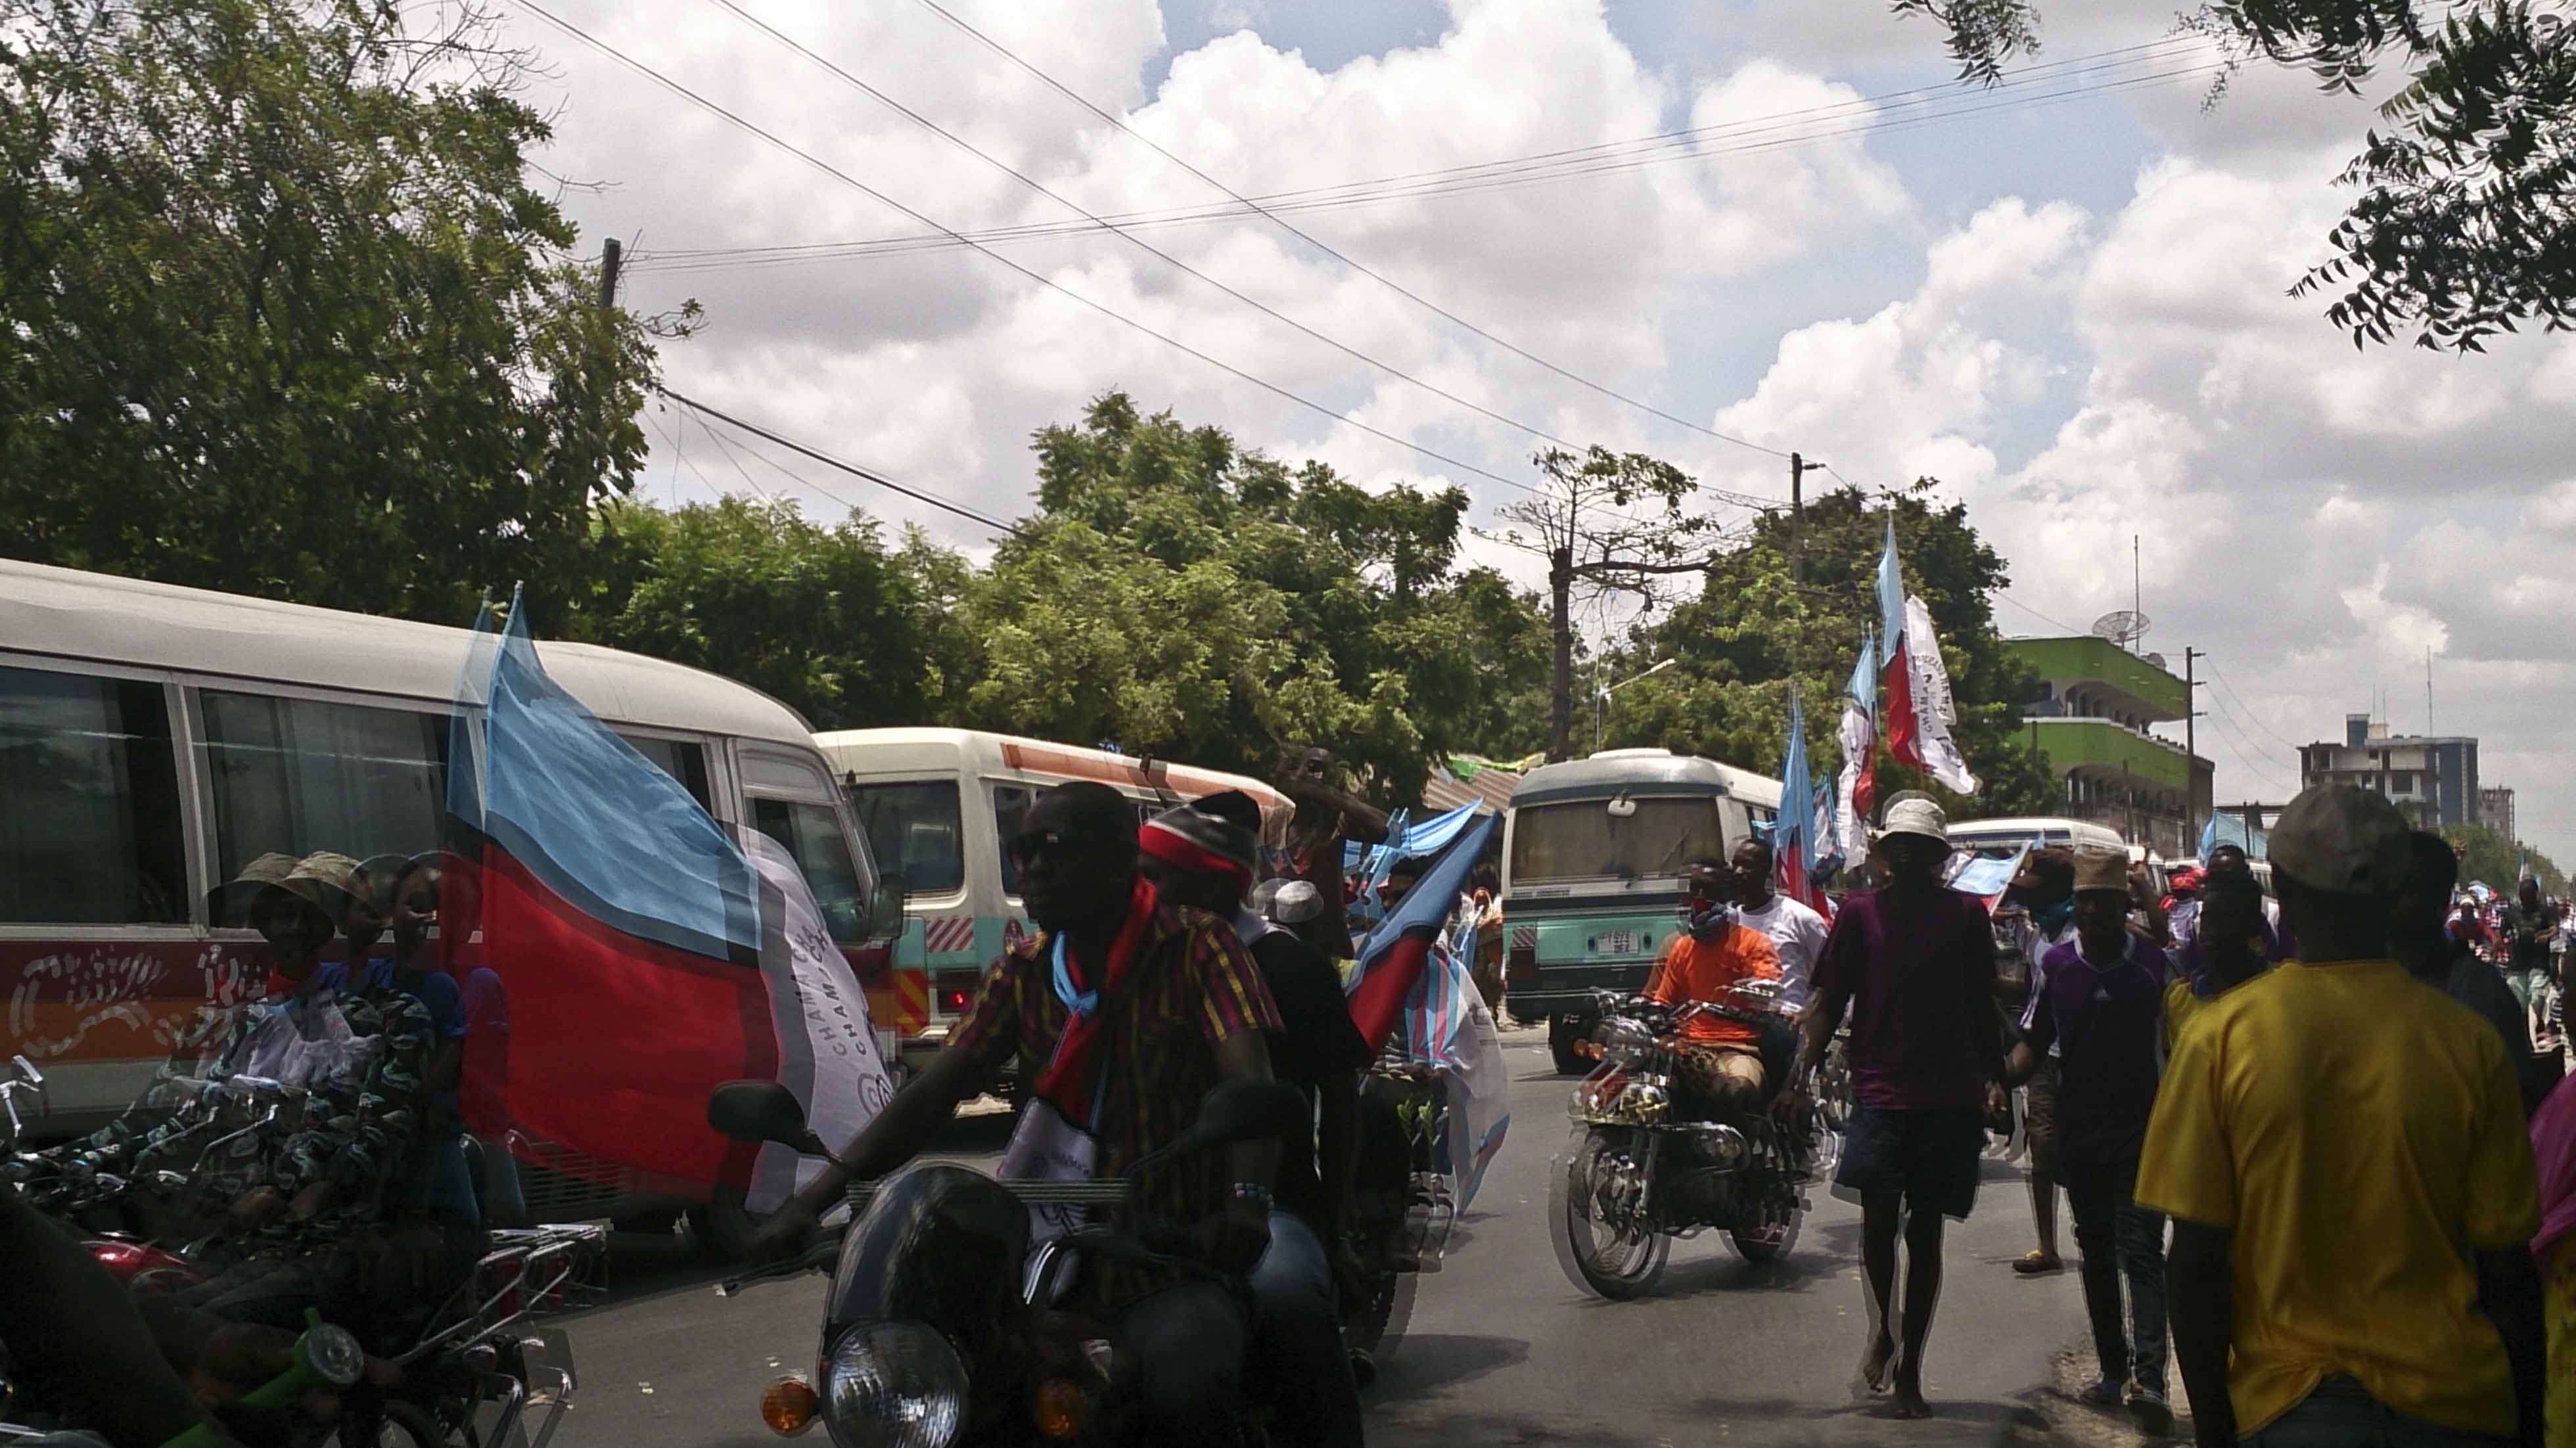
[1721, 1059]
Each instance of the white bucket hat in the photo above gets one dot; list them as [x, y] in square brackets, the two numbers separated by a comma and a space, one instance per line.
[1916, 816]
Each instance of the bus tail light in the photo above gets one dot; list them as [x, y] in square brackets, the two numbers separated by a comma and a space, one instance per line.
[1521, 966]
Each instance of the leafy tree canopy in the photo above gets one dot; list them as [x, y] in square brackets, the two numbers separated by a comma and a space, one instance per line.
[2485, 854]
[1179, 596]
[845, 630]
[2461, 227]
[282, 315]
[1751, 635]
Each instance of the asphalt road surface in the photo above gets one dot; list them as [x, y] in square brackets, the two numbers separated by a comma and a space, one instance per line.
[1501, 1349]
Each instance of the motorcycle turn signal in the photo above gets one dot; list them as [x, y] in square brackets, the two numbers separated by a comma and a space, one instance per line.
[789, 1406]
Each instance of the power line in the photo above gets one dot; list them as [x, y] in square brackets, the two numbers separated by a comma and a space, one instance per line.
[1049, 283]
[1282, 223]
[2230, 686]
[853, 469]
[726, 448]
[1128, 236]
[1606, 158]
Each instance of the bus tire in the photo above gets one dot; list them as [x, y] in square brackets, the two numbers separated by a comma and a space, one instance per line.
[723, 1226]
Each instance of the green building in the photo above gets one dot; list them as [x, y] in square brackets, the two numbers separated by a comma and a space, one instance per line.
[2091, 717]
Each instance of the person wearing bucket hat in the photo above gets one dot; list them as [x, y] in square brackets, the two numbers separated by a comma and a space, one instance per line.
[2333, 1116]
[1914, 965]
[2100, 1006]
[1203, 854]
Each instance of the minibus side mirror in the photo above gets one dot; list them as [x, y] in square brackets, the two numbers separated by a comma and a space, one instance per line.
[885, 907]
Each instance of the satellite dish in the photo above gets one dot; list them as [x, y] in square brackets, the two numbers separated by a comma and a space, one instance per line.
[2121, 626]
[2156, 659]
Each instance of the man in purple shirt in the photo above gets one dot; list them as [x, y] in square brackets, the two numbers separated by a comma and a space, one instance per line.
[1915, 965]
[2100, 999]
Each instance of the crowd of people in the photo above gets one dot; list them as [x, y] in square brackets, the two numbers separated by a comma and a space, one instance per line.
[2314, 1140]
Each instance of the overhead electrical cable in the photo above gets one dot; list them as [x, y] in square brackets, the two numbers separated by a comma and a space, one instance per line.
[828, 169]
[1148, 248]
[1491, 176]
[854, 470]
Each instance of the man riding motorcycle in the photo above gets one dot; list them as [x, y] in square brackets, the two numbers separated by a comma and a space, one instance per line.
[1122, 1013]
[1720, 1059]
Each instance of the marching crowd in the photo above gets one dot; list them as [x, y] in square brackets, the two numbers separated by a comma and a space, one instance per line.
[2317, 1138]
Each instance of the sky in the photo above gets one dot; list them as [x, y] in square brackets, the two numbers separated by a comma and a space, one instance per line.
[2066, 299]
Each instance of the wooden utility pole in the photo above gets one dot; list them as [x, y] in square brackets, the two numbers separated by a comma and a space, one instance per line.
[2190, 748]
[612, 257]
[1798, 469]
[1560, 591]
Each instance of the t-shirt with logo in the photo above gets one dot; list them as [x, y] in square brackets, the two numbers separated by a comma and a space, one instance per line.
[2355, 1130]
[2107, 1022]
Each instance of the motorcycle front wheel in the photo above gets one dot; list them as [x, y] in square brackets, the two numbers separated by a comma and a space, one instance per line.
[1619, 1262]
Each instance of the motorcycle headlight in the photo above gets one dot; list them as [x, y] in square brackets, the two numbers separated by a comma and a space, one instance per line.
[893, 1385]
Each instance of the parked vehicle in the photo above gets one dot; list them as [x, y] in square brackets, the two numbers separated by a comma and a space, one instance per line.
[1644, 1167]
[154, 739]
[938, 805]
[938, 1327]
[1595, 852]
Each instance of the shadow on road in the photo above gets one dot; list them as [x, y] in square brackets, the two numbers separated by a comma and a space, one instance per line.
[1431, 1360]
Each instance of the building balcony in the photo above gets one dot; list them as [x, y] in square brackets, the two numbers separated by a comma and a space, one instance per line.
[2110, 678]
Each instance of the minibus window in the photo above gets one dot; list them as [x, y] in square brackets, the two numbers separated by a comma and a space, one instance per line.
[1011, 804]
[812, 833]
[89, 803]
[299, 775]
[680, 759]
[1583, 840]
[914, 829]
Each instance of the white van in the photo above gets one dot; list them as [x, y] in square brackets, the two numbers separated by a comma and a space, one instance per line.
[937, 805]
[155, 739]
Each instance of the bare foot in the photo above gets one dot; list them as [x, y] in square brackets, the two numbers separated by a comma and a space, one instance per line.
[1908, 1403]
[1871, 1378]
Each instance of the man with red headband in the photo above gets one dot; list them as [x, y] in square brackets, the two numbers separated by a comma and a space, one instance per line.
[1124, 1012]
[1202, 855]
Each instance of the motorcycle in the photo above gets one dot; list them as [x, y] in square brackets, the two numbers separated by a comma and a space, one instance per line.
[476, 1367]
[939, 1328]
[1638, 1173]
[1401, 1207]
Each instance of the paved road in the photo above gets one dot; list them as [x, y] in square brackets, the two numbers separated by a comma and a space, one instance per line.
[1501, 1350]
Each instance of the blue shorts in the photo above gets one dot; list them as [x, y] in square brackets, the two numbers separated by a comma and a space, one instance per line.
[1931, 1158]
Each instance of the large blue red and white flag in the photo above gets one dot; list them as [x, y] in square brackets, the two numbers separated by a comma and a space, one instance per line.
[1794, 833]
[1393, 957]
[1895, 667]
[645, 951]
[1856, 787]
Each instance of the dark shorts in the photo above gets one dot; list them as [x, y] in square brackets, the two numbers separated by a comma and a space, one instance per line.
[2039, 1101]
[1931, 1158]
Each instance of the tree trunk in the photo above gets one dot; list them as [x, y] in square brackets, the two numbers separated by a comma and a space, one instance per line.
[1560, 584]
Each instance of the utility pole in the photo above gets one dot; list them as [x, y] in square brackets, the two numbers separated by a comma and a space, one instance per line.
[2191, 746]
[612, 256]
[1560, 587]
[1798, 469]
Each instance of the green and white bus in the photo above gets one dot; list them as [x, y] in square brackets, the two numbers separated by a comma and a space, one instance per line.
[1595, 854]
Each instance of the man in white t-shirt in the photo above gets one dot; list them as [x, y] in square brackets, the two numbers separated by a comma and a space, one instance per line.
[1797, 933]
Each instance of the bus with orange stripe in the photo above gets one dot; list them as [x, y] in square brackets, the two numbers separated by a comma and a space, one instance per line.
[937, 804]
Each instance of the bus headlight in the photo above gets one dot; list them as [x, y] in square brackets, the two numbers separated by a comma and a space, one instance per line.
[894, 1385]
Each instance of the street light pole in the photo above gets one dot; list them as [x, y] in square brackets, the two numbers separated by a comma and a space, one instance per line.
[1601, 700]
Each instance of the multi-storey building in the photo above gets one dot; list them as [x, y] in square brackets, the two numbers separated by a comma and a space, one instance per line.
[2096, 701]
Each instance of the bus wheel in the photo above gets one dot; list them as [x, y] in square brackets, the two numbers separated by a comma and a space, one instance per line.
[1562, 1033]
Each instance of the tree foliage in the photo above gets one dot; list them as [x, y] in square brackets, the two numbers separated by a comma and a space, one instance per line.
[2461, 228]
[829, 619]
[280, 314]
[1177, 595]
[1751, 635]
[2486, 855]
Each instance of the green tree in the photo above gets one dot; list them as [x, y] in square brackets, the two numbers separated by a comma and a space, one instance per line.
[1750, 635]
[2460, 229]
[845, 630]
[2487, 855]
[280, 314]
[1179, 596]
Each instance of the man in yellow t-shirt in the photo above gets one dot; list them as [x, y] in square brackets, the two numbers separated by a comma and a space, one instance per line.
[2333, 1141]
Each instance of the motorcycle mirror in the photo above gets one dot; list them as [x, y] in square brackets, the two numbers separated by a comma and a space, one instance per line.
[758, 1111]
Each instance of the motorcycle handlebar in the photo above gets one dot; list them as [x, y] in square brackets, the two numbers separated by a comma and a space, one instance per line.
[817, 1258]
